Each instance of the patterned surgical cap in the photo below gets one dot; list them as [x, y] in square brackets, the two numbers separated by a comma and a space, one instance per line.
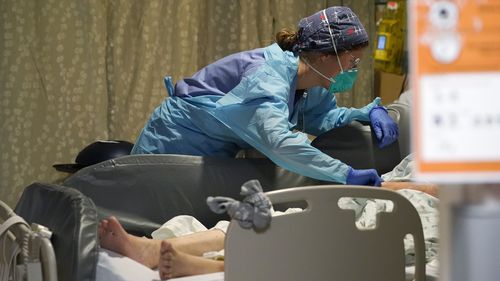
[347, 30]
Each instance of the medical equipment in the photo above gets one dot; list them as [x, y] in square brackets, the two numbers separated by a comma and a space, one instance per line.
[25, 252]
[391, 37]
[474, 251]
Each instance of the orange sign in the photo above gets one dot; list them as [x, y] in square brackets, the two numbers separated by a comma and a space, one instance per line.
[455, 69]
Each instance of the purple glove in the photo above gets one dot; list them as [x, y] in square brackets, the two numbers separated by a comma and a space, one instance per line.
[363, 177]
[385, 129]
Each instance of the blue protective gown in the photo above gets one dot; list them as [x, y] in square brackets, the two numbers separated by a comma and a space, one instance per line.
[248, 100]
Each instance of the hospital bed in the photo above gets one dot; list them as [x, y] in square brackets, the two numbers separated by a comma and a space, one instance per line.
[73, 216]
[320, 241]
[145, 191]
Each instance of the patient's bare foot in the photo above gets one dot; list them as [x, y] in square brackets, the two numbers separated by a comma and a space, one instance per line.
[175, 263]
[113, 237]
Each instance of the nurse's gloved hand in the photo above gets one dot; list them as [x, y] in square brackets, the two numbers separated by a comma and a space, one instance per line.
[385, 129]
[363, 177]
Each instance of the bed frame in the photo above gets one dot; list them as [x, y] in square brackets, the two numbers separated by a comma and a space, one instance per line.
[26, 253]
[323, 242]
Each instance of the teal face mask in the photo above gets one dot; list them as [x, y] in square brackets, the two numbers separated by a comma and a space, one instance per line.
[343, 81]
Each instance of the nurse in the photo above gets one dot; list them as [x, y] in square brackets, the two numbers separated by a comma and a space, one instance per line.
[269, 98]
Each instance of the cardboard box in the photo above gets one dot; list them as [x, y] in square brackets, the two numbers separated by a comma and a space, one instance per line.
[388, 86]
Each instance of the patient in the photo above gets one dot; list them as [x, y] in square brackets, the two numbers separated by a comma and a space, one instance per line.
[182, 256]
[175, 257]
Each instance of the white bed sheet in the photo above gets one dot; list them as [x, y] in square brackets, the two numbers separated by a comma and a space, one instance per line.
[115, 267]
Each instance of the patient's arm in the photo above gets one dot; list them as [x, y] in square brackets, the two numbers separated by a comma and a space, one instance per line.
[424, 187]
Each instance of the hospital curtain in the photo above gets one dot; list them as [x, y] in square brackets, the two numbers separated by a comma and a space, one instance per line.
[73, 72]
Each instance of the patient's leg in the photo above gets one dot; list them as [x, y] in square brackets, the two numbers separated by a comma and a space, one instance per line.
[113, 237]
[146, 251]
[174, 263]
[199, 242]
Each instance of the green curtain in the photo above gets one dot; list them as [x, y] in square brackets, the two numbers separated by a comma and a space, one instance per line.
[73, 72]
